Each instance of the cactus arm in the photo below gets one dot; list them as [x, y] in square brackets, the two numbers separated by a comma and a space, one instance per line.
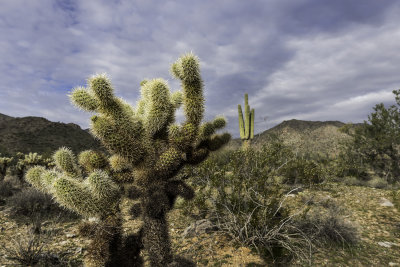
[83, 99]
[252, 124]
[241, 122]
[186, 69]
[246, 121]
[158, 106]
[65, 160]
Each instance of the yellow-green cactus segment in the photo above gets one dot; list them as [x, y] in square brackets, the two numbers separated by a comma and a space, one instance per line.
[77, 197]
[182, 137]
[158, 107]
[102, 187]
[92, 160]
[187, 69]
[102, 89]
[246, 117]
[246, 124]
[169, 161]
[34, 177]
[217, 141]
[252, 124]
[119, 163]
[48, 178]
[120, 139]
[176, 99]
[83, 99]
[65, 161]
[207, 129]
[241, 122]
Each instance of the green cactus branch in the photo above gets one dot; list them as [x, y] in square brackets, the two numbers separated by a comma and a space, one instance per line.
[147, 150]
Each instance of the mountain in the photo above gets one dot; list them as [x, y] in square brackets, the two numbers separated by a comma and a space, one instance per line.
[321, 137]
[36, 134]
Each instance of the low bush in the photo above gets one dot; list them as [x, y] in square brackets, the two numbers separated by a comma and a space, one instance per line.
[30, 249]
[34, 205]
[377, 182]
[245, 201]
[325, 225]
[6, 189]
[352, 180]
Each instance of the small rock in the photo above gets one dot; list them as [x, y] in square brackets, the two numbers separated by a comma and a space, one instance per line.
[79, 250]
[387, 244]
[62, 243]
[199, 227]
[393, 264]
[46, 223]
[386, 203]
[71, 235]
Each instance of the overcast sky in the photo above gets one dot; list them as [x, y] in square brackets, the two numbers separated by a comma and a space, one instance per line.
[297, 59]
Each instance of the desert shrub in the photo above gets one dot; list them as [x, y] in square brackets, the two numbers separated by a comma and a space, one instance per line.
[30, 249]
[35, 205]
[5, 189]
[324, 225]
[304, 171]
[352, 180]
[243, 199]
[377, 182]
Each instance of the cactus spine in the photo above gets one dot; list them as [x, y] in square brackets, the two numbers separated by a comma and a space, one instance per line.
[246, 125]
[148, 149]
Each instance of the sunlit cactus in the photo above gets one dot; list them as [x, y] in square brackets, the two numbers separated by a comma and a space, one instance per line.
[246, 124]
[27, 161]
[148, 149]
[95, 196]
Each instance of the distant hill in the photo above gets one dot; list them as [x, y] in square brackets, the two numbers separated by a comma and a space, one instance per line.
[304, 136]
[36, 134]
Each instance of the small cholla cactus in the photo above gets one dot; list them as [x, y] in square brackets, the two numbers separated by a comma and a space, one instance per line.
[4, 163]
[27, 161]
[148, 149]
[95, 195]
[246, 125]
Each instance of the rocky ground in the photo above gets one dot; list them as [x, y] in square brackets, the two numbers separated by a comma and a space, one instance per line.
[369, 210]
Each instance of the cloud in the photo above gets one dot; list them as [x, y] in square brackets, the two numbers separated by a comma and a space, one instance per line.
[295, 59]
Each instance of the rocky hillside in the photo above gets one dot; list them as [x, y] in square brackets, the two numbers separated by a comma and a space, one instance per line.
[304, 136]
[35, 134]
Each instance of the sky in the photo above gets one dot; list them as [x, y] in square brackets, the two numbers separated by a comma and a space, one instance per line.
[315, 60]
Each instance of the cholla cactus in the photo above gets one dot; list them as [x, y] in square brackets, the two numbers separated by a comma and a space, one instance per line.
[27, 161]
[148, 150]
[4, 163]
[246, 125]
[95, 196]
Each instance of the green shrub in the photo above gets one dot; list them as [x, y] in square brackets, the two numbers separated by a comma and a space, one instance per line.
[30, 249]
[324, 225]
[35, 205]
[243, 199]
[352, 180]
[377, 182]
[304, 171]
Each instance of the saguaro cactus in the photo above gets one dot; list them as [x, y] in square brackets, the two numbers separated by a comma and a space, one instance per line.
[246, 125]
[148, 149]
